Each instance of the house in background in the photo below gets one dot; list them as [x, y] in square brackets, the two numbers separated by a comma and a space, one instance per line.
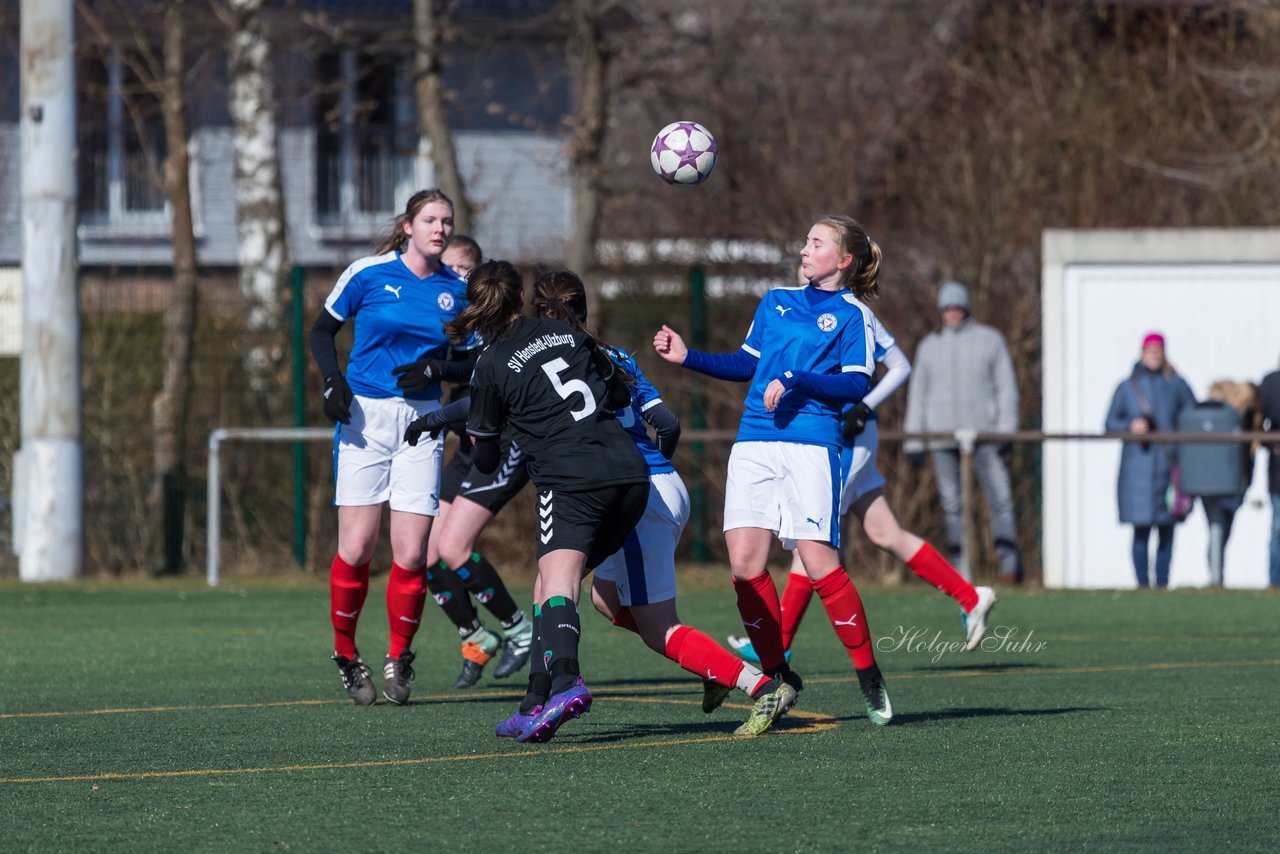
[349, 146]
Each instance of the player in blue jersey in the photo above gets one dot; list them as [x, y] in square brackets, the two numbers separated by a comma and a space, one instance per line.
[636, 586]
[399, 299]
[469, 500]
[863, 492]
[808, 355]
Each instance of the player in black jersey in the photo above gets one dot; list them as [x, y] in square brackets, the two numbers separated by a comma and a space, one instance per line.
[469, 499]
[552, 388]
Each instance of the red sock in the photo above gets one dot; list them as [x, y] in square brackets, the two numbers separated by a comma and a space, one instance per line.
[795, 599]
[348, 587]
[624, 620]
[406, 593]
[762, 618]
[848, 618]
[935, 569]
[703, 657]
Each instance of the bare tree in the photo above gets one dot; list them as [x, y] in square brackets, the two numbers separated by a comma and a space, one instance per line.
[588, 45]
[262, 248]
[170, 408]
[433, 123]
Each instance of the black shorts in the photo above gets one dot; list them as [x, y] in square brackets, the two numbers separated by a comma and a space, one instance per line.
[594, 522]
[490, 491]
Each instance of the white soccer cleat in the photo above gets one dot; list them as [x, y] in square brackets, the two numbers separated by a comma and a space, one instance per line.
[975, 622]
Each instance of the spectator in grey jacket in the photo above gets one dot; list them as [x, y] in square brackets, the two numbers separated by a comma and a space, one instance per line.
[964, 379]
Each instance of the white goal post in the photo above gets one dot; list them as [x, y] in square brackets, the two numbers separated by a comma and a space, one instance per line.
[242, 434]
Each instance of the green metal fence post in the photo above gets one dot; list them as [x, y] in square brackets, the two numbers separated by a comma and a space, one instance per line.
[697, 416]
[299, 420]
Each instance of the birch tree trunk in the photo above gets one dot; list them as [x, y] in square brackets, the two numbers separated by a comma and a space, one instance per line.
[170, 408]
[260, 223]
[433, 122]
[587, 45]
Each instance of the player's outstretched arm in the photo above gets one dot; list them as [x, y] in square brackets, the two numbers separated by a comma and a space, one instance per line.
[670, 345]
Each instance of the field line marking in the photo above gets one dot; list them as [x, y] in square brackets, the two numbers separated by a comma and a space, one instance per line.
[814, 722]
[615, 693]
[135, 710]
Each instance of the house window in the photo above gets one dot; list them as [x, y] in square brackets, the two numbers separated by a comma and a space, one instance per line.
[122, 141]
[366, 142]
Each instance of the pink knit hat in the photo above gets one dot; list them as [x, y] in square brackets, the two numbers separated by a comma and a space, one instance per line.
[1153, 338]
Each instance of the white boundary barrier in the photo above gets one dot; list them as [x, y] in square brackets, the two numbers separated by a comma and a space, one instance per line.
[242, 434]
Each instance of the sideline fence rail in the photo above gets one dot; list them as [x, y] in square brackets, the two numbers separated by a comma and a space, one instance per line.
[966, 440]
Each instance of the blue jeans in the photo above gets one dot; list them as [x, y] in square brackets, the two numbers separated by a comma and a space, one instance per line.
[993, 476]
[1221, 513]
[1164, 554]
[1275, 539]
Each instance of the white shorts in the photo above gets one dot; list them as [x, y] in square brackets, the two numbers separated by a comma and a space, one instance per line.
[644, 569]
[372, 462]
[785, 487]
[861, 460]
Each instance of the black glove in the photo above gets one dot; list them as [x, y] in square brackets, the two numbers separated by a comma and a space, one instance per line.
[916, 458]
[417, 377]
[337, 398]
[855, 421]
[433, 423]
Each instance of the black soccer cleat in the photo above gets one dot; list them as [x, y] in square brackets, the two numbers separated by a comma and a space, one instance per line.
[356, 679]
[397, 674]
[515, 649]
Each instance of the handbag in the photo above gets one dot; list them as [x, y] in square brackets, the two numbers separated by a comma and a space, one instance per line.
[1177, 502]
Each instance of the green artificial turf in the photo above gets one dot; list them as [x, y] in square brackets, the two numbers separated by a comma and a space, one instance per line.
[169, 715]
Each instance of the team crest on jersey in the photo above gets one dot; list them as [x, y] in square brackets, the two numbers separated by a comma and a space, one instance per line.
[445, 301]
[827, 322]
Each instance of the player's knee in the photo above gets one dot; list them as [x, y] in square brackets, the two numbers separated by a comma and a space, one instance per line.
[883, 536]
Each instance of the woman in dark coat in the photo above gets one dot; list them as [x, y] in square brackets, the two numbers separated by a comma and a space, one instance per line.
[1149, 400]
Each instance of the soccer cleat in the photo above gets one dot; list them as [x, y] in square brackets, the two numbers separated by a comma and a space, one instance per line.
[515, 649]
[741, 644]
[772, 702]
[356, 679]
[792, 678]
[516, 723]
[975, 622]
[713, 695]
[397, 674]
[573, 703]
[478, 648]
[879, 709]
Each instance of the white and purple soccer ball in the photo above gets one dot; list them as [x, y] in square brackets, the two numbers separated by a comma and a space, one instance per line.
[683, 153]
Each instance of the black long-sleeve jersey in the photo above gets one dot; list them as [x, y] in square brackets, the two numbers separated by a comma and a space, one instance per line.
[541, 382]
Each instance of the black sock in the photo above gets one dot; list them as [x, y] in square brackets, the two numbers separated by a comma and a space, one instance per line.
[869, 676]
[451, 595]
[539, 680]
[485, 584]
[561, 632]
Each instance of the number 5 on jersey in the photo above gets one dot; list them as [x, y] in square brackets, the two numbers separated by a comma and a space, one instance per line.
[553, 370]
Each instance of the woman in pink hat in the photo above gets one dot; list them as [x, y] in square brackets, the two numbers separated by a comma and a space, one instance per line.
[1149, 400]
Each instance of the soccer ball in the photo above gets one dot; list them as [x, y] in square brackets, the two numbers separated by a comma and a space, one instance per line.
[683, 153]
